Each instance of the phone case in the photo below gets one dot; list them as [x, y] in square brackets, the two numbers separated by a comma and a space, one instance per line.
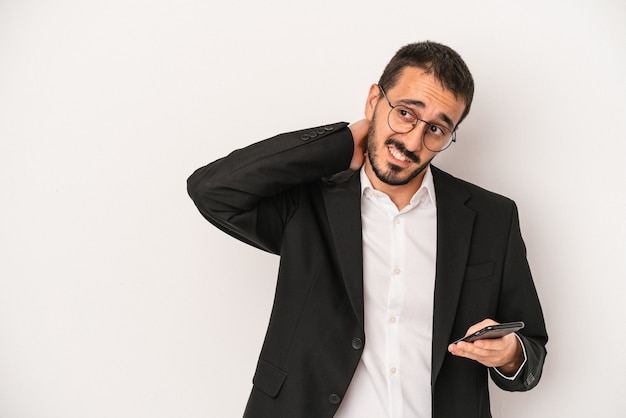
[493, 331]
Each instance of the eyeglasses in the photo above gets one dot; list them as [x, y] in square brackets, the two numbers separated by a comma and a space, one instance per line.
[402, 120]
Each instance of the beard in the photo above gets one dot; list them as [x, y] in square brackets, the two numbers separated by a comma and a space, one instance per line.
[389, 173]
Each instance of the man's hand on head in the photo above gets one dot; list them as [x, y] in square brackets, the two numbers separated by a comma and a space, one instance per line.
[359, 131]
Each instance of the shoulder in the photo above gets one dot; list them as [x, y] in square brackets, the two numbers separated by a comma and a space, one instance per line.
[474, 195]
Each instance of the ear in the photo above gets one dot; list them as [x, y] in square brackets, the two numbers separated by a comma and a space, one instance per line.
[372, 100]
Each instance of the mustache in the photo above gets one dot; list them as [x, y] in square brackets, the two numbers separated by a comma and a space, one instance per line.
[400, 147]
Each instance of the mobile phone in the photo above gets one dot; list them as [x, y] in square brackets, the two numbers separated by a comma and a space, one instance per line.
[493, 331]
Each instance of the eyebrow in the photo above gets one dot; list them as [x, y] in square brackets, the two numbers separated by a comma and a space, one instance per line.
[420, 104]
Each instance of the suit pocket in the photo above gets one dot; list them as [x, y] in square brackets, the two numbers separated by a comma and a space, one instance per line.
[479, 271]
[269, 379]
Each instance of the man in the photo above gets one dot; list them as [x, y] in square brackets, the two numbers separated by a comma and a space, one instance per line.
[385, 259]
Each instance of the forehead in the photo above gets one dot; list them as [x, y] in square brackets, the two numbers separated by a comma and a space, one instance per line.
[419, 87]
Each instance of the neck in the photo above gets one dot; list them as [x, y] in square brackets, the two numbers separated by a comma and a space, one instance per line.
[400, 195]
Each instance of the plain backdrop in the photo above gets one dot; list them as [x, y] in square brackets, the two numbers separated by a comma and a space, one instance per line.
[117, 299]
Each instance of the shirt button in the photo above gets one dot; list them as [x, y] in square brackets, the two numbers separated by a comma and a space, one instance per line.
[396, 271]
[396, 221]
[393, 370]
[357, 343]
[334, 399]
[393, 319]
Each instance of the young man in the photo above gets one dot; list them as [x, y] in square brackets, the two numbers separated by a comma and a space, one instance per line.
[385, 260]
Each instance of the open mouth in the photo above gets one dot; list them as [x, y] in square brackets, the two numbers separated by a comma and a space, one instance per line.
[398, 155]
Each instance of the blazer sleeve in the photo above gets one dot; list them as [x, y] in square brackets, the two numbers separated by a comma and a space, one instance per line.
[251, 193]
[519, 301]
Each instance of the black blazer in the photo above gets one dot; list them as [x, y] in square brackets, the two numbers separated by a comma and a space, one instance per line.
[281, 195]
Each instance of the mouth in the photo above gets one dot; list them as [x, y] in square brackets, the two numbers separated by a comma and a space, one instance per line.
[400, 156]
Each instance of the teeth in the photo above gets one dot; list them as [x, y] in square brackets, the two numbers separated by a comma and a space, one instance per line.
[397, 154]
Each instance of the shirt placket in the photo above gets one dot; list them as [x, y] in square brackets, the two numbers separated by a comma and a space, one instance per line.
[394, 315]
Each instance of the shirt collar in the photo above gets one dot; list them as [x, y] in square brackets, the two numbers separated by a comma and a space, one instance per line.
[427, 187]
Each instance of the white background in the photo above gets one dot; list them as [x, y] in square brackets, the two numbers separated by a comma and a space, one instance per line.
[117, 299]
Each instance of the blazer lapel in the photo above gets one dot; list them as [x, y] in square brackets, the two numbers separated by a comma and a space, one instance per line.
[343, 207]
[454, 229]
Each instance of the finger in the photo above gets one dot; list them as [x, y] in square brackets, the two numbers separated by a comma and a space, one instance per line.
[480, 325]
[490, 353]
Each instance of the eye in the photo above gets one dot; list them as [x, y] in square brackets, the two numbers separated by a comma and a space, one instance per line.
[406, 115]
[436, 131]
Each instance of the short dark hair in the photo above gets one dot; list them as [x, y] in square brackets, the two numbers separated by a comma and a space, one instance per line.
[442, 61]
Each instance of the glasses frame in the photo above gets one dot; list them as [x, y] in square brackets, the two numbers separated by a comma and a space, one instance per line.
[417, 120]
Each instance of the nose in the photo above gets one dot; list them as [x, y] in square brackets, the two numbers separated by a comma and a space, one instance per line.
[414, 140]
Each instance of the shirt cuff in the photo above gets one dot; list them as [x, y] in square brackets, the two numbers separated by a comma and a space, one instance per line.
[520, 367]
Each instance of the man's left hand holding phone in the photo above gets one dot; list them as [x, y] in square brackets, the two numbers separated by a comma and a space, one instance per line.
[504, 353]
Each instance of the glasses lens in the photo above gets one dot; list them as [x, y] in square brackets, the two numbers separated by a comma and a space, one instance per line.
[402, 119]
[438, 143]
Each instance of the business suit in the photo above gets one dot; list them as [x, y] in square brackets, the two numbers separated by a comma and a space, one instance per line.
[282, 195]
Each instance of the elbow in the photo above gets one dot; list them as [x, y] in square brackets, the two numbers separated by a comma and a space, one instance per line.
[197, 186]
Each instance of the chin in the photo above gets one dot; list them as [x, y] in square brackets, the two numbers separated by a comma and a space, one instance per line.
[394, 175]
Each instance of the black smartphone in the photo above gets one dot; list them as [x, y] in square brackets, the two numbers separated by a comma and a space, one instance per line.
[493, 331]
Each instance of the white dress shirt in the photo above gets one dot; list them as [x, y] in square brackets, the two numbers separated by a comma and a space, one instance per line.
[399, 257]
[399, 254]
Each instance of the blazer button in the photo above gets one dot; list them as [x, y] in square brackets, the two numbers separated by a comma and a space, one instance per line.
[334, 399]
[305, 137]
[357, 343]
